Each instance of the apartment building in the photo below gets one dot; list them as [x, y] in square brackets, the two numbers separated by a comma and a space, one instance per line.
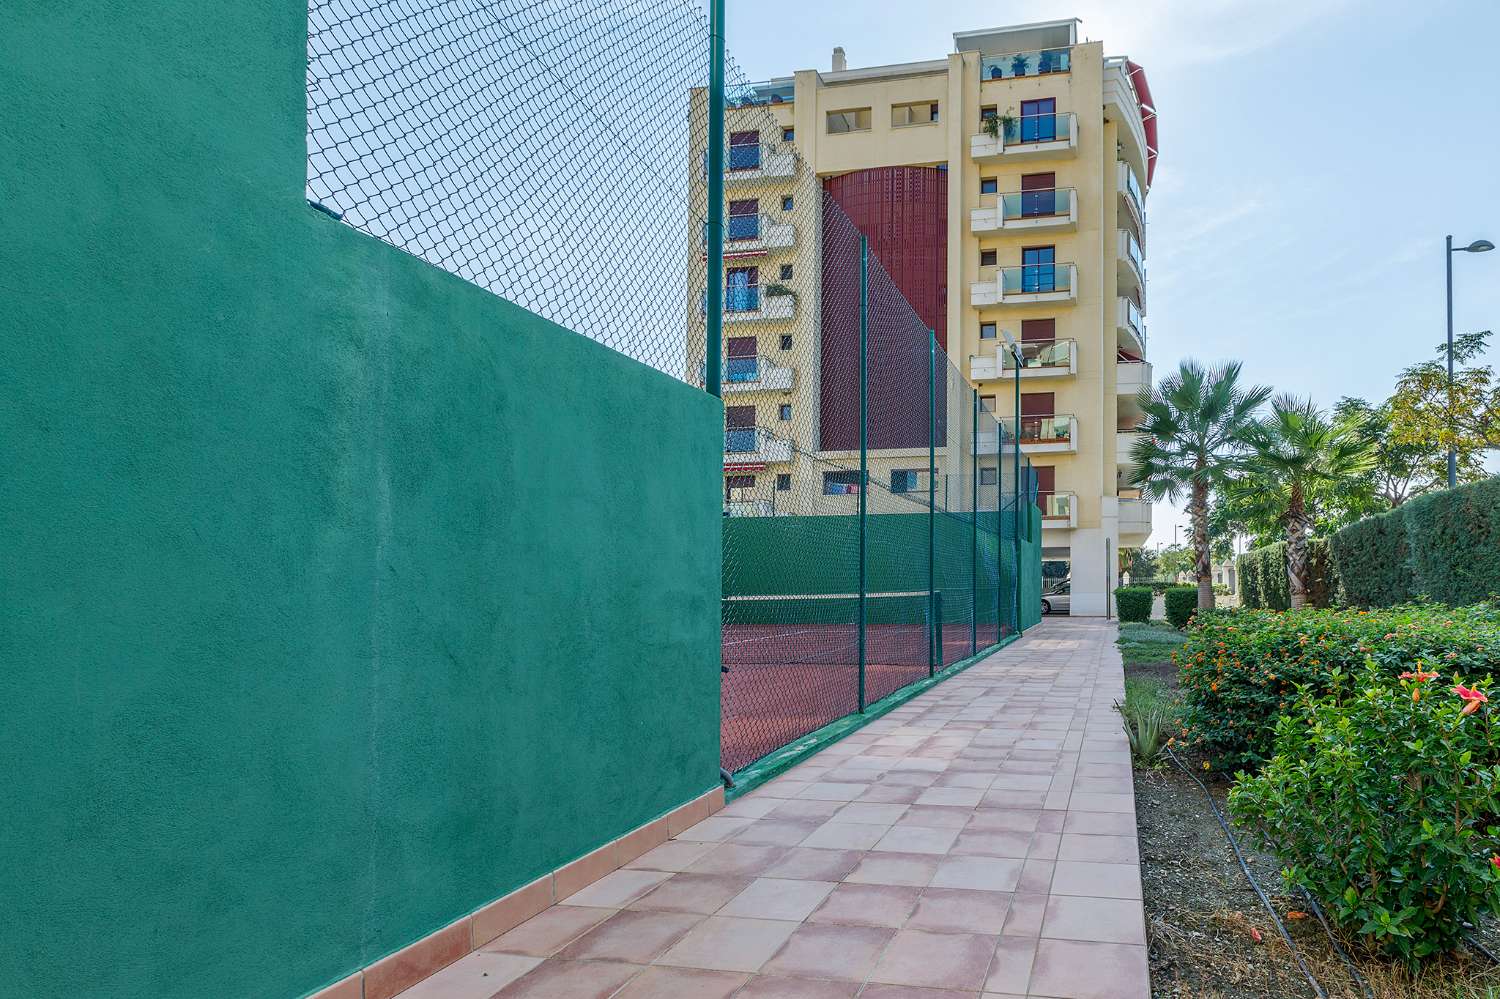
[1002, 187]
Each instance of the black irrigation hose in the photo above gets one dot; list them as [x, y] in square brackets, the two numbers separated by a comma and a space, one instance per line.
[1338, 949]
[1235, 846]
[1481, 948]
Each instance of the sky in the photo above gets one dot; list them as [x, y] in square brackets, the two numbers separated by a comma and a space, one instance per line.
[1314, 153]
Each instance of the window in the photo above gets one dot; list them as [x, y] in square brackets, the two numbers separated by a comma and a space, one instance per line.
[988, 111]
[987, 258]
[904, 480]
[744, 220]
[1039, 120]
[784, 482]
[788, 134]
[1038, 194]
[986, 331]
[744, 150]
[840, 483]
[786, 341]
[918, 113]
[740, 362]
[1038, 330]
[1039, 268]
[987, 404]
[739, 429]
[742, 289]
[989, 476]
[852, 120]
[786, 202]
[786, 272]
[988, 185]
[786, 411]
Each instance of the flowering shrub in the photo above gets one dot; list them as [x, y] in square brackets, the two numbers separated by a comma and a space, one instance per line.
[1381, 801]
[1240, 670]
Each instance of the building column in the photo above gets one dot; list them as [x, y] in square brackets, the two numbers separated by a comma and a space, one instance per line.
[1095, 561]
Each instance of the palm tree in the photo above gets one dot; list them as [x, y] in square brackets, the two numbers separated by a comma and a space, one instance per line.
[1299, 459]
[1195, 419]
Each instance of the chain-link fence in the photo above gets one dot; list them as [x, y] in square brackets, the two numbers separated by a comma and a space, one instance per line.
[556, 154]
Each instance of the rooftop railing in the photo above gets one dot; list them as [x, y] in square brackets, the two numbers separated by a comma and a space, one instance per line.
[1020, 64]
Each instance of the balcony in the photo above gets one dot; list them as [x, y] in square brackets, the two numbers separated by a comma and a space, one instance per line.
[1130, 327]
[1028, 137]
[746, 446]
[749, 508]
[752, 374]
[1028, 284]
[1018, 65]
[1124, 444]
[754, 235]
[1059, 510]
[758, 95]
[1046, 434]
[1026, 211]
[1130, 263]
[750, 164]
[1044, 358]
[1131, 377]
[1131, 197]
[751, 306]
[1135, 519]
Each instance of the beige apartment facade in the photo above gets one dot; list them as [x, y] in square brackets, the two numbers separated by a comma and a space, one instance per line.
[1048, 146]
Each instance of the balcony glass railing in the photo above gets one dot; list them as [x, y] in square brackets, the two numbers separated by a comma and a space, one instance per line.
[1044, 429]
[744, 157]
[1042, 354]
[1055, 126]
[1133, 188]
[743, 227]
[759, 94]
[739, 298]
[1036, 204]
[1135, 320]
[1133, 251]
[1055, 506]
[1039, 63]
[739, 369]
[744, 440]
[1036, 278]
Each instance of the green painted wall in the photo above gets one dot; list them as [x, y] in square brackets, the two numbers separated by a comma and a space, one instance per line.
[316, 630]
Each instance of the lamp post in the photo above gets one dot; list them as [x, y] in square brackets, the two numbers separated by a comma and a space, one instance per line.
[1478, 246]
[1015, 353]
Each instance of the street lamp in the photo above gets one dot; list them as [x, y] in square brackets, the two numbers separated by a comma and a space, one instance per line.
[1015, 353]
[1478, 246]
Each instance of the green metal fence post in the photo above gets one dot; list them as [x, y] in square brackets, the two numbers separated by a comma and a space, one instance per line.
[934, 649]
[974, 529]
[1018, 497]
[864, 442]
[714, 300]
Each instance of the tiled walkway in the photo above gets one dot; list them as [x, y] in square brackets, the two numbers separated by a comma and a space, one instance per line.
[979, 840]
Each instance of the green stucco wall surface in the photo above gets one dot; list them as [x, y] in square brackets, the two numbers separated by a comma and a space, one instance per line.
[326, 614]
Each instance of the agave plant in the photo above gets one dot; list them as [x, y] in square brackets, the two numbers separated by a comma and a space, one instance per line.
[1147, 716]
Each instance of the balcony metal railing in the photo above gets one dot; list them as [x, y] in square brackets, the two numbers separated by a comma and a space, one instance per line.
[1019, 64]
[1035, 279]
[1041, 354]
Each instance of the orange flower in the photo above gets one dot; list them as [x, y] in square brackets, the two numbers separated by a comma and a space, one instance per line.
[1472, 699]
[1418, 675]
[1298, 913]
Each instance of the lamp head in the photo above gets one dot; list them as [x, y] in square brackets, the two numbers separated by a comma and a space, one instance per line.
[1010, 343]
[1479, 246]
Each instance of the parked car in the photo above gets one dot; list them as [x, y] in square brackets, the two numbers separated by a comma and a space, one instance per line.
[1058, 599]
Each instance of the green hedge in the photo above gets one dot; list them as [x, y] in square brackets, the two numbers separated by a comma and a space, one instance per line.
[1182, 601]
[1370, 557]
[1133, 603]
[1263, 582]
[1453, 543]
[1443, 546]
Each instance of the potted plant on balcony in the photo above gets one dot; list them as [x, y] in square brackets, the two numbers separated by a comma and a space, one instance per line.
[778, 290]
[998, 124]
